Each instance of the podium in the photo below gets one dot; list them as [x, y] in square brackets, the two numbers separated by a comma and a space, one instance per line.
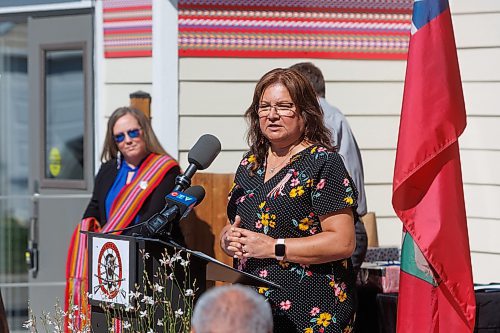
[127, 273]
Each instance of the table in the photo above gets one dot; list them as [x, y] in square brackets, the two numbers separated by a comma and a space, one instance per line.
[487, 312]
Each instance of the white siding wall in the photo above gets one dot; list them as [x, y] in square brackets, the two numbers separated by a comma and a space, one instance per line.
[213, 94]
[477, 31]
[121, 77]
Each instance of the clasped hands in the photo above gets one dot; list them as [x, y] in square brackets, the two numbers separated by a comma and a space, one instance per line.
[242, 243]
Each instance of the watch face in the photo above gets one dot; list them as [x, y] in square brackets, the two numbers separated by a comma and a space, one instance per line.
[279, 250]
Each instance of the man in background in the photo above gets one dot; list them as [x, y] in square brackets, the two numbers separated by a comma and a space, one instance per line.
[232, 308]
[343, 139]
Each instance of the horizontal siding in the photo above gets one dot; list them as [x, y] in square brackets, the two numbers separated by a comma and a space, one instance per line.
[378, 165]
[117, 95]
[478, 228]
[230, 131]
[486, 34]
[251, 69]
[481, 133]
[375, 132]
[476, 166]
[219, 98]
[370, 94]
[128, 70]
[225, 162]
[341, 95]
[389, 231]
[479, 64]
[232, 98]
[481, 98]
[476, 6]
[485, 267]
[479, 167]
[481, 201]
[378, 199]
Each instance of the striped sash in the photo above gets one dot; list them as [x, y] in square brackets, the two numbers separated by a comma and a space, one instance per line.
[123, 211]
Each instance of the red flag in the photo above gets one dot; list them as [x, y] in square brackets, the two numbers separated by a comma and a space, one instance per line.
[436, 292]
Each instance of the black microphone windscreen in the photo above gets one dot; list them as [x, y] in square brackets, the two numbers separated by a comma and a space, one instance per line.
[196, 191]
[204, 151]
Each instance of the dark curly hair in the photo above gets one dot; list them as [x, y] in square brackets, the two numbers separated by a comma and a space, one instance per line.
[304, 98]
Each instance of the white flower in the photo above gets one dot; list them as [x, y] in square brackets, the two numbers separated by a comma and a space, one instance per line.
[176, 257]
[28, 323]
[74, 308]
[171, 276]
[137, 294]
[143, 314]
[158, 288]
[184, 263]
[160, 322]
[126, 324]
[148, 300]
[150, 330]
[164, 262]
[111, 329]
[179, 313]
[129, 307]
[189, 292]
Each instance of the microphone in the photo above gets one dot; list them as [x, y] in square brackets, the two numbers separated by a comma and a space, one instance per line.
[178, 205]
[201, 155]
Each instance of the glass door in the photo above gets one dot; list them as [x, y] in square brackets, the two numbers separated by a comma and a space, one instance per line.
[61, 146]
[15, 197]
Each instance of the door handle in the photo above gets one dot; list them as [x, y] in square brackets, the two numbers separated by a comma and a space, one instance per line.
[31, 254]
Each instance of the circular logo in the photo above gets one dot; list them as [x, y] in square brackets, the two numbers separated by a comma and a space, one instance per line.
[109, 270]
[174, 194]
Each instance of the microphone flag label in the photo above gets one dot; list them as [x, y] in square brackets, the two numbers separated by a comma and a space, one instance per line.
[181, 198]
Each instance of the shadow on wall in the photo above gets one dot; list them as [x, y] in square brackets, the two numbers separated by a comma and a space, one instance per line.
[202, 227]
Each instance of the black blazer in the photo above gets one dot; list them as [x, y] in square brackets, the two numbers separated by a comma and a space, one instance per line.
[152, 205]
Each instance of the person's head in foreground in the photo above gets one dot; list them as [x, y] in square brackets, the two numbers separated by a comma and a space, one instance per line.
[229, 309]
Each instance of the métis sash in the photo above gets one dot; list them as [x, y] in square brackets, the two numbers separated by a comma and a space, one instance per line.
[123, 211]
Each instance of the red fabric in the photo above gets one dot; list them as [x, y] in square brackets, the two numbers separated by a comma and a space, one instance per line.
[427, 188]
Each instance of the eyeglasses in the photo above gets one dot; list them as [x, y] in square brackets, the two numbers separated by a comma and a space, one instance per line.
[133, 133]
[283, 109]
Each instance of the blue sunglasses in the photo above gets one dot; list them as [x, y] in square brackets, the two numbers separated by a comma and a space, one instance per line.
[133, 133]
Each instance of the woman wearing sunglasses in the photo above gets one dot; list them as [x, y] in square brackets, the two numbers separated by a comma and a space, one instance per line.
[129, 188]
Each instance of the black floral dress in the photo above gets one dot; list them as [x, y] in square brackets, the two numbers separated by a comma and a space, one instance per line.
[313, 298]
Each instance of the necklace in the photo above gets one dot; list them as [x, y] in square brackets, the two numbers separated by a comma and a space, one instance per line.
[272, 169]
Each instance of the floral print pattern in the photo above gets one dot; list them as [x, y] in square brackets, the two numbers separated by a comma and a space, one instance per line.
[313, 298]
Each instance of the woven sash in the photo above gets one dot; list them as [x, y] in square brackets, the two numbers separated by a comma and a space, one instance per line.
[123, 211]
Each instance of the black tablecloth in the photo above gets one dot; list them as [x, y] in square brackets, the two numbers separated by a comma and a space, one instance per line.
[378, 310]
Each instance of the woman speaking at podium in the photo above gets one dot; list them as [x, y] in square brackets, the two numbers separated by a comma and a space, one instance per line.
[291, 209]
[129, 188]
